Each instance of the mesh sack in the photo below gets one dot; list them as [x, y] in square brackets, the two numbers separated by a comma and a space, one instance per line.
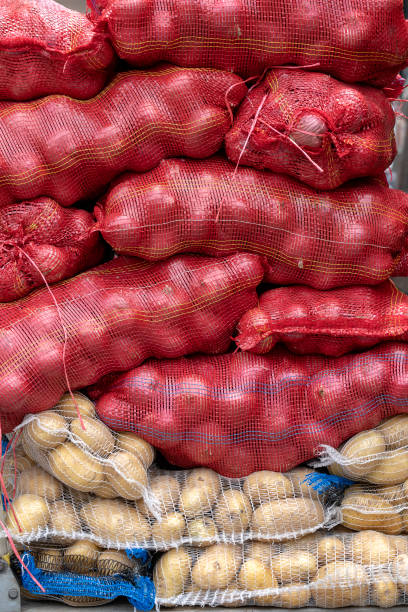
[46, 48]
[356, 40]
[239, 413]
[331, 323]
[347, 237]
[322, 570]
[42, 236]
[112, 318]
[121, 505]
[313, 127]
[69, 149]
[402, 266]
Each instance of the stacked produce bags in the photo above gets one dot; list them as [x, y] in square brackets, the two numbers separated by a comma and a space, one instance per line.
[197, 241]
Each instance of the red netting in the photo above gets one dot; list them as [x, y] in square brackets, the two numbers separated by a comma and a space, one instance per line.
[46, 49]
[356, 40]
[327, 322]
[116, 316]
[60, 242]
[295, 119]
[238, 413]
[402, 266]
[347, 237]
[69, 149]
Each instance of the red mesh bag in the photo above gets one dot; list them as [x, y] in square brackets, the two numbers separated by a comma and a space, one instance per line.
[327, 322]
[42, 236]
[46, 49]
[356, 40]
[238, 413]
[347, 237]
[69, 150]
[116, 316]
[313, 127]
[402, 265]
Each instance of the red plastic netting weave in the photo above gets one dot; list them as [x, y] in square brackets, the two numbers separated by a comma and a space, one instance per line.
[60, 242]
[238, 413]
[116, 316]
[349, 236]
[69, 149]
[295, 119]
[327, 322]
[46, 49]
[356, 40]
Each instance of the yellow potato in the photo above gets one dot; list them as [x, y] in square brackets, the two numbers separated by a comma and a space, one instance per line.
[112, 562]
[66, 406]
[114, 520]
[384, 591]
[266, 486]
[171, 573]
[170, 529]
[369, 511]
[336, 469]
[31, 512]
[202, 531]
[263, 551]
[47, 430]
[63, 519]
[72, 466]
[105, 490]
[133, 444]
[363, 449]
[297, 595]
[38, 482]
[399, 570]
[395, 431]
[96, 436]
[233, 512]
[255, 575]
[49, 559]
[400, 544]
[127, 475]
[81, 556]
[216, 566]
[391, 470]
[301, 488]
[394, 494]
[340, 584]
[330, 549]
[371, 548]
[206, 478]
[21, 463]
[287, 516]
[296, 566]
[166, 490]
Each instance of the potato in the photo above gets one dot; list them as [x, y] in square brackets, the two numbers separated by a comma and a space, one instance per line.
[399, 569]
[114, 520]
[232, 512]
[63, 518]
[263, 551]
[206, 478]
[384, 591]
[330, 549]
[38, 482]
[364, 449]
[137, 446]
[400, 544]
[286, 516]
[297, 595]
[391, 470]
[47, 430]
[296, 566]
[96, 436]
[166, 490]
[171, 573]
[233, 596]
[266, 486]
[49, 559]
[105, 490]
[81, 556]
[336, 469]
[394, 494]
[369, 511]
[22, 462]
[216, 566]
[202, 531]
[66, 407]
[306, 542]
[301, 488]
[170, 529]
[340, 584]
[395, 431]
[255, 575]
[32, 513]
[112, 562]
[371, 548]
[72, 466]
[127, 475]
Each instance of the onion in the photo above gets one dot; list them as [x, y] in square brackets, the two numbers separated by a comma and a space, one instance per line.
[308, 131]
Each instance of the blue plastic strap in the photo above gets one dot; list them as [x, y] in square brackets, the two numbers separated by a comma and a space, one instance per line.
[321, 482]
[138, 553]
[140, 592]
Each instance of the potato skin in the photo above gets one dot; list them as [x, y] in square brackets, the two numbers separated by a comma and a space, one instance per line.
[265, 486]
[63, 518]
[371, 548]
[171, 573]
[112, 519]
[330, 549]
[395, 431]
[369, 511]
[166, 490]
[111, 562]
[82, 555]
[32, 513]
[255, 575]
[66, 407]
[47, 430]
[96, 436]
[363, 445]
[202, 531]
[233, 512]
[170, 529]
[72, 466]
[37, 481]
[133, 444]
[384, 591]
[286, 516]
[329, 586]
[217, 566]
[296, 566]
[391, 470]
[297, 595]
[127, 475]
